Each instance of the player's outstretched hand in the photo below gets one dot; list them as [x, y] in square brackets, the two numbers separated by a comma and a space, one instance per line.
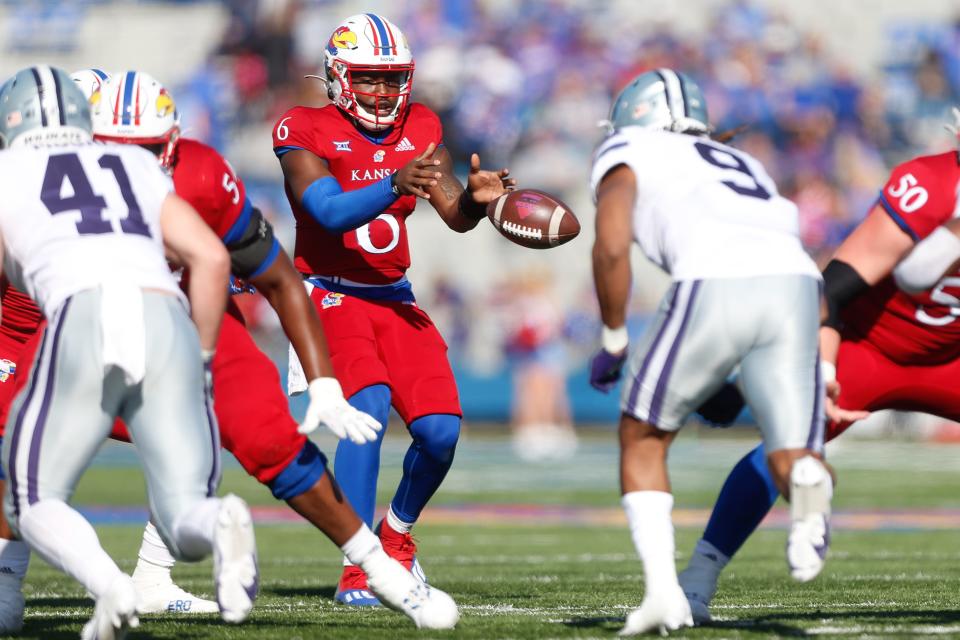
[418, 175]
[329, 407]
[486, 186]
[605, 369]
[833, 410]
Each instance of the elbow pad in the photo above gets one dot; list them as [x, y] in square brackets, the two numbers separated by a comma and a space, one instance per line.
[256, 248]
[339, 211]
[928, 262]
[841, 284]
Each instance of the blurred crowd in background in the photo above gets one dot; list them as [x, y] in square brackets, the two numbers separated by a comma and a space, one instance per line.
[525, 85]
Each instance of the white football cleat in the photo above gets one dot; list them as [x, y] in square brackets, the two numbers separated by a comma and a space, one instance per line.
[159, 594]
[811, 489]
[115, 613]
[699, 586]
[807, 547]
[397, 588]
[11, 604]
[662, 611]
[235, 571]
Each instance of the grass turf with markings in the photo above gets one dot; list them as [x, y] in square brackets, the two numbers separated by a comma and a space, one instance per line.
[570, 581]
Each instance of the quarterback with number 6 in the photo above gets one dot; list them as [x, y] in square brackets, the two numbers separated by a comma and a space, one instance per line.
[353, 171]
[744, 294]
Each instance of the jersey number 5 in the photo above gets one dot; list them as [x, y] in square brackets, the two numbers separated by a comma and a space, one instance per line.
[67, 167]
[730, 161]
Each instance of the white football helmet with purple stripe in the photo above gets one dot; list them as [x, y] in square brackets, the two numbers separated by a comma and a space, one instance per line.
[41, 106]
[367, 43]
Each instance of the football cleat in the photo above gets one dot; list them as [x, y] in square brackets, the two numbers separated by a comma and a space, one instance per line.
[353, 589]
[11, 604]
[161, 595]
[398, 589]
[235, 572]
[661, 611]
[115, 613]
[402, 548]
[811, 489]
[698, 586]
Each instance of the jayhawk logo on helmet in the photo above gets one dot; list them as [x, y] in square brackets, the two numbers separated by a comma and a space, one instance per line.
[343, 38]
[165, 104]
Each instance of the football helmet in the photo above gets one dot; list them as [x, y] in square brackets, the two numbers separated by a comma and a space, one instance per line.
[41, 106]
[367, 43]
[661, 99]
[134, 108]
[89, 80]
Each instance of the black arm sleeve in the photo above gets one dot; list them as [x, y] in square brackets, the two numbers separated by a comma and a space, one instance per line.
[841, 284]
[254, 246]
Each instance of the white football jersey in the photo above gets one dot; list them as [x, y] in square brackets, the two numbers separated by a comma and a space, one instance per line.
[703, 209]
[75, 217]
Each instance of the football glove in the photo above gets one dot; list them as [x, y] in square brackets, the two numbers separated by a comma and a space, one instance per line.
[328, 406]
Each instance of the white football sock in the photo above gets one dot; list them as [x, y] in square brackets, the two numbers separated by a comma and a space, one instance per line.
[193, 531]
[154, 560]
[360, 545]
[14, 557]
[648, 513]
[63, 538]
[396, 523]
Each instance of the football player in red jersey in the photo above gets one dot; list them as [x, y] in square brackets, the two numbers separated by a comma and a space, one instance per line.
[881, 347]
[353, 172]
[250, 407]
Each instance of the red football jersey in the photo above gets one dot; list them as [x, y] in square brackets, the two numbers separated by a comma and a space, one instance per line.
[204, 179]
[21, 316]
[377, 252]
[925, 328]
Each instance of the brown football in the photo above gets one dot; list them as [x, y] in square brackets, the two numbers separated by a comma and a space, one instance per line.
[533, 219]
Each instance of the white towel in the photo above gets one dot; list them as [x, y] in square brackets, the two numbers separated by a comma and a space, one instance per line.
[124, 331]
[296, 378]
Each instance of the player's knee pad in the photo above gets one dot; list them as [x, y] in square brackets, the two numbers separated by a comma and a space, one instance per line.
[437, 435]
[374, 401]
[301, 474]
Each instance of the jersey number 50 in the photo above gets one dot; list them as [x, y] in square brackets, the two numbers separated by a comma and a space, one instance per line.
[67, 167]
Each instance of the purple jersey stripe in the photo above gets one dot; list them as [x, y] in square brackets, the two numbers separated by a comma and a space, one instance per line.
[635, 389]
[660, 392]
[33, 461]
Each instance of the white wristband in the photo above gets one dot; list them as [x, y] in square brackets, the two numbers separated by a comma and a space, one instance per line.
[614, 340]
[828, 371]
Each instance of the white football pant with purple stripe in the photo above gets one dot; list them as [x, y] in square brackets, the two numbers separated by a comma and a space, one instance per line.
[68, 406]
[704, 329]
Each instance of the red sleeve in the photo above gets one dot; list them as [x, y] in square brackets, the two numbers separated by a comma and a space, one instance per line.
[918, 197]
[297, 129]
[204, 179]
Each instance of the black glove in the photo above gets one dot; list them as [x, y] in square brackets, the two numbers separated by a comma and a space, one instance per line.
[723, 407]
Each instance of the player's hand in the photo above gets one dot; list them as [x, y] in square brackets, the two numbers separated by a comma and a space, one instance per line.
[832, 407]
[418, 175]
[486, 186]
[328, 406]
[208, 371]
[605, 369]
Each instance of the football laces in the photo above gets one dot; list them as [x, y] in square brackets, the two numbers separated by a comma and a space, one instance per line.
[522, 231]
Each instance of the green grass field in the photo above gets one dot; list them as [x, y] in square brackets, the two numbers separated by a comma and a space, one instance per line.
[890, 574]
